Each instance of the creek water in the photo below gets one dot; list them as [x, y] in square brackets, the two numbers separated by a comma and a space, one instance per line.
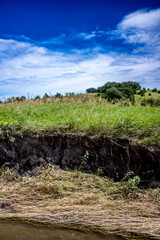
[16, 231]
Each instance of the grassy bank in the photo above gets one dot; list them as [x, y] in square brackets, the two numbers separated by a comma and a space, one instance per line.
[78, 199]
[83, 114]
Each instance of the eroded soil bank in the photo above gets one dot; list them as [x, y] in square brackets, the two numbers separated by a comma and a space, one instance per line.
[56, 196]
[114, 157]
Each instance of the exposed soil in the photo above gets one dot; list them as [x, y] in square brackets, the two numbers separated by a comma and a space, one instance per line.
[114, 156]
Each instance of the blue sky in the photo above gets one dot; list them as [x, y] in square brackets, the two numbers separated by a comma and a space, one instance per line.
[69, 46]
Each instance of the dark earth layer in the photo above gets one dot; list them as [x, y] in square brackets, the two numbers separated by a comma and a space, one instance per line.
[114, 157]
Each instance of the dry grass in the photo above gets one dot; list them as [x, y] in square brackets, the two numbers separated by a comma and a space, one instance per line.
[80, 199]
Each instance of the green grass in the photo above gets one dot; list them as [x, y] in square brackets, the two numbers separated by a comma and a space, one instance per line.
[154, 95]
[93, 117]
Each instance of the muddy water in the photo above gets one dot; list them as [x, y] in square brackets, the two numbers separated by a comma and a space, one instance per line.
[15, 231]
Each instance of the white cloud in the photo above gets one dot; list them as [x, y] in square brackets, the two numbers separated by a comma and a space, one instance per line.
[141, 26]
[142, 19]
[85, 36]
[36, 70]
[93, 34]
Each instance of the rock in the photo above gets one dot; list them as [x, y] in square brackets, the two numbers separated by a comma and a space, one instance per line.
[17, 175]
[33, 160]
[40, 161]
[25, 174]
[25, 161]
[29, 173]
[35, 171]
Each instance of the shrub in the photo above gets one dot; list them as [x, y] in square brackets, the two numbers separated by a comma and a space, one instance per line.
[128, 93]
[23, 98]
[46, 95]
[154, 90]
[37, 97]
[151, 102]
[141, 93]
[144, 90]
[132, 181]
[69, 94]
[91, 90]
[113, 93]
[58, 95]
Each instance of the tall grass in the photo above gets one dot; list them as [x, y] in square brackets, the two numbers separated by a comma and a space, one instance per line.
[85, 115]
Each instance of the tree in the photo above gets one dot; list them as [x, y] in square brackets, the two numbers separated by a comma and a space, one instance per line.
[127, 92]
[131, 84]
[113, 93]
[154, 90]
[91, 90]
[23, 98]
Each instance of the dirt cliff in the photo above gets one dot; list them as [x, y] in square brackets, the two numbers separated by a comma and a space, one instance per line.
[114, 157]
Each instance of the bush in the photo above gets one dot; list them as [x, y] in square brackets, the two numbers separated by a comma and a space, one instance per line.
[113, 93]
[128, 93]
[22, 98]
[154, 90]
[151, 102]
[69, 94]
[58, 95]
[91, 90]
[141, 93]
[37, 97]
[46, 95]
[132, 181]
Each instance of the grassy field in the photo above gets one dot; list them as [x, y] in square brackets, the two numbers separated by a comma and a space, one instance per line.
[84, 114]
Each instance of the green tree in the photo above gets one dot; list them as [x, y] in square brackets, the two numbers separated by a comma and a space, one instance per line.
[131, 84]
[91, 90]
[113, 93]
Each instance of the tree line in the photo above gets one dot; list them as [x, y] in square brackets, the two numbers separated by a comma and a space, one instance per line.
[114, 90]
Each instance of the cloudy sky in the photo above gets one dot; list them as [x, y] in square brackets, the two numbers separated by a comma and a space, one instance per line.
[69, 46]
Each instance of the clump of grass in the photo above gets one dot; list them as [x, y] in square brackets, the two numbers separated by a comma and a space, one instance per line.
[9, 174]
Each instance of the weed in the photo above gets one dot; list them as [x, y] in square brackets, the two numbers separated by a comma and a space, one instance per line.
[132, 181]
[99, 171]
[127, 176]
[83, 160]
[7, 173]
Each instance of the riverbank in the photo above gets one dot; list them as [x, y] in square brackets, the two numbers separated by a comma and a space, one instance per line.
[82, 133]
[112, 157]
[80, 200]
